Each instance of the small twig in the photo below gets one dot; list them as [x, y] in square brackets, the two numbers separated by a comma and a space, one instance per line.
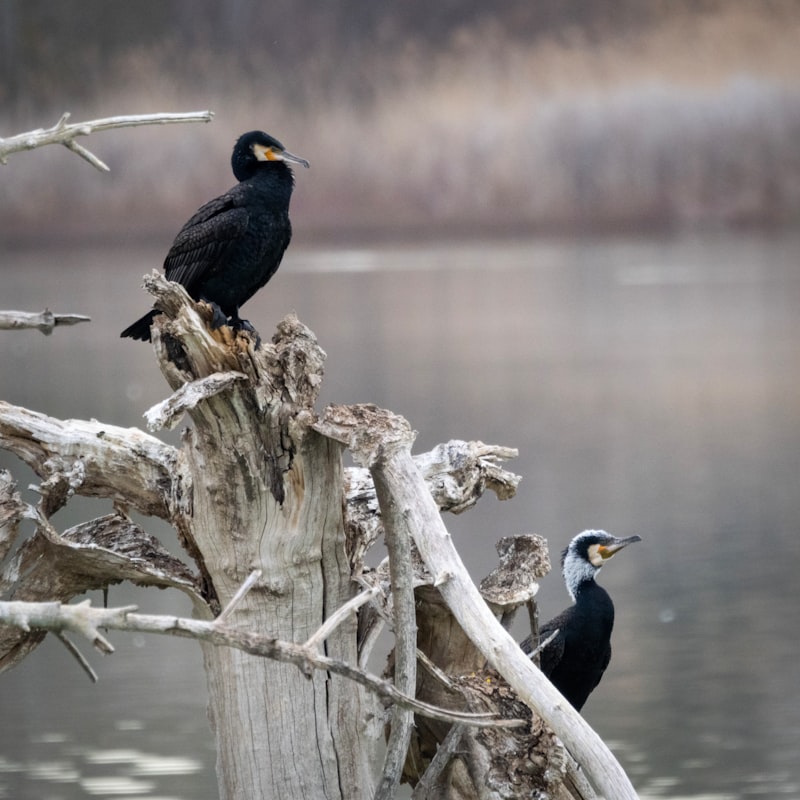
[533, 619]
[63, 133]
[84, 619]
[338, 616]
[446, 750]
[541, 646]
[248, 584]
[434, 670]
[87, 155]
[79, 657]
[168, 413]
[44, 321]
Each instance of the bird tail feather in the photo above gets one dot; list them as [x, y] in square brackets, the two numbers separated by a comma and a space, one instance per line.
[140, 329]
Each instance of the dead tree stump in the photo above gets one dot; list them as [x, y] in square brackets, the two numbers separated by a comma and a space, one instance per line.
[258, 485]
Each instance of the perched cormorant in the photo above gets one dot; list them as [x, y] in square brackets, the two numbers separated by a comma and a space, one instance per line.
[234, 244]
[577, 657]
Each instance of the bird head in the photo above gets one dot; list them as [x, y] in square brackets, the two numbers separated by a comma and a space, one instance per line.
[255, 148]
[587, 553]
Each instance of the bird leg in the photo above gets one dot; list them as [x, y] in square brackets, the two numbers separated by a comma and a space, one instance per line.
[239, 324]
[218, 317]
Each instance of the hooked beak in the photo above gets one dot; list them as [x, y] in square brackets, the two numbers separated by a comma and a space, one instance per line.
[608, 550]
[285, 155]
[270, 153]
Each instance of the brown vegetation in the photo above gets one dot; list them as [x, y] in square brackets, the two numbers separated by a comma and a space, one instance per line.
[665, 119]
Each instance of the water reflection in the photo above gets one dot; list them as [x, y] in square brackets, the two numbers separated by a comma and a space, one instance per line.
[652, 386]
[87, 772]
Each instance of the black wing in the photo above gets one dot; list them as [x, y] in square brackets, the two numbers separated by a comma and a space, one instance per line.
[606, 662]
[279, 236]
[204, 241]
[553, 652]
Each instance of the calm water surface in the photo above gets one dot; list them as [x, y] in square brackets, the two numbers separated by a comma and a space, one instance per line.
[652, 387]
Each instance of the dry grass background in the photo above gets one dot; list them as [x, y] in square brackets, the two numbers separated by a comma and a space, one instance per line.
[693, 122]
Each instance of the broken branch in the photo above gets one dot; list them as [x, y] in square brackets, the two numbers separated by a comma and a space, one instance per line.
[44, 321]
[86, 620]
[64, 133]
[379, 441]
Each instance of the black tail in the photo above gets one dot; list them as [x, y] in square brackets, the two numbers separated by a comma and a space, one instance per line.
[141, 328]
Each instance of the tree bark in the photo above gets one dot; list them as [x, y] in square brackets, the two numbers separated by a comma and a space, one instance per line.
[271, 499]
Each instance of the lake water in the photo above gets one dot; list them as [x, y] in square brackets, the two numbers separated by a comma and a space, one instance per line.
[652, 386]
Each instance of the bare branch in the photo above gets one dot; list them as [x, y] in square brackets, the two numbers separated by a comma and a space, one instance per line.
[79, 657]
[96, 460]
[250, 581]
[541, 646]
[79, 618]
[167, 414]
[335, 619]
[64, 133]
[447, 749]
[86, 620]
[379, 440]
[398, 543]
[44, 321]
[577, 781]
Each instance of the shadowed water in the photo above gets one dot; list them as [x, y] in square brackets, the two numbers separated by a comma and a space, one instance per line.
[652, 386]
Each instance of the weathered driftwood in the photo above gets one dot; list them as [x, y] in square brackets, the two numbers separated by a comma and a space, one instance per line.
[64, 132]
[87, 621]
[260, 499]
[45, 321]
[382, 442]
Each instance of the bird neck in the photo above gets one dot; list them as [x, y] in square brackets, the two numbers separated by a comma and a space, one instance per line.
[579, 574]
[275, 178]
[593, 605]
[591, 589]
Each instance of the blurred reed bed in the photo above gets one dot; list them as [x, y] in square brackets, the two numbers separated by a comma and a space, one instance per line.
[694, 122]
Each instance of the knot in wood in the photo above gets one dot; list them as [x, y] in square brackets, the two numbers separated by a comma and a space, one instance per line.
[298, 361]
[368, 431]
[523, 559]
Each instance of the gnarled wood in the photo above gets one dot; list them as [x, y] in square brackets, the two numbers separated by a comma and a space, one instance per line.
[44, 321]
[379, 440]
[259, 497]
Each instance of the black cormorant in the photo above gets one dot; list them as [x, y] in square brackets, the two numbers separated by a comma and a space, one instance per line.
[577, 657]
[234, 244]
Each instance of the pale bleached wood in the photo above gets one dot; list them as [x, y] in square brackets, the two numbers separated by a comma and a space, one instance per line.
[401, 573]
[97, 460]
[65, 133]
[44, 321]
[272, 501]
[168, 413]
[378, 440]
[257, 489]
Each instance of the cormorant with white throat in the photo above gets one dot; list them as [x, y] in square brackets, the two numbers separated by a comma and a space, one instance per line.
[577, 657]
